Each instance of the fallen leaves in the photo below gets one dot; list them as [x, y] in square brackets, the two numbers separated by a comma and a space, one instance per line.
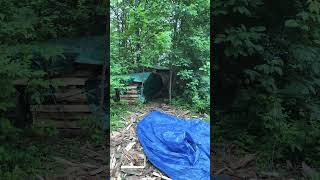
[127, 157]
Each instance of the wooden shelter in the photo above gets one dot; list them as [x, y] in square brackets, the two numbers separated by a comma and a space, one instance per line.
[79, 93]
[152, 83]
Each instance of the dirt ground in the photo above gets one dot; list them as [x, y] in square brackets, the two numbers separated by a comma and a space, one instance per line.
[229, 163]
[77, 159]
[73, 159]
[127, 158]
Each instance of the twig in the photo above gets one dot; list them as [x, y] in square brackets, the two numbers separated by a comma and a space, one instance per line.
[132, 167]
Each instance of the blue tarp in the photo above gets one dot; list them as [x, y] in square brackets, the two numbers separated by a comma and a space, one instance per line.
[179, 147]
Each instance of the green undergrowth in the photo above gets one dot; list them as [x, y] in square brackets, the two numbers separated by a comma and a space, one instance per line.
[23, 152]
[28, 153]
[120, 111]
[94, 130]
[270, 155]
[194, 110]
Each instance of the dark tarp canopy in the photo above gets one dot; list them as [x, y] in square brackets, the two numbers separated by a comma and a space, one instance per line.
[152, 84]
[85, 50]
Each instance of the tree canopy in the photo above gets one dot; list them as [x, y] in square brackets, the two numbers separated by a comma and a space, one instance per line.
[175, 34]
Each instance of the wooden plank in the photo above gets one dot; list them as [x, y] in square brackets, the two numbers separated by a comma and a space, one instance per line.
[58, 124]
[131, 101]
[71, 81]
[68, 116]
[63, 97]
[132, 87]
[132, 91]
[70, 90]
[129, 96]
[80, 73]
[60, 108]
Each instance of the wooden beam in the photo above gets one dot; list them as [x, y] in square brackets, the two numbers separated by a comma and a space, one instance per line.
[58, 124]
[66, 116]
[71, 81]
[132, 91]
[62, 97]
[60, 108]
[131, 87]
[80, 73]
[129, 96]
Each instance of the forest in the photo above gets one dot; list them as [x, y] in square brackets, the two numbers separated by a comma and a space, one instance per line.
[265, 76]
[27, 151]
[174, 34]
[143, 34]
[266, 82]
[159, 62]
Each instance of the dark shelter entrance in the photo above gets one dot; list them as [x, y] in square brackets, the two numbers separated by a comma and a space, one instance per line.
[144, 86]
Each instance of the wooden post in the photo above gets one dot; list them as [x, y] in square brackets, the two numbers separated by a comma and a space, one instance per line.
[23, 116]
[170, 86]
[104, 68]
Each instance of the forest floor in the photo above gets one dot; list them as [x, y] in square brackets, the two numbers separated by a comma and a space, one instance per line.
[127, 158]
[230, 163]
[129, 162]
[233, 163]
[79, 158]
[74, 158]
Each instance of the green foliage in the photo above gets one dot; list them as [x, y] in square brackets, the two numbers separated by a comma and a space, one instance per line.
[44, 131]
[241, 41]
[168, 33]
[271, 72]
[20, 160]
[7, 130]
[93, 127]
[118, 113]
[24, 26]
[19, 164]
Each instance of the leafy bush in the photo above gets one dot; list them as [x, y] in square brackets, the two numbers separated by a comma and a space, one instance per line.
[24, 25]
[17, 163]
[269, 77]
[94, 129]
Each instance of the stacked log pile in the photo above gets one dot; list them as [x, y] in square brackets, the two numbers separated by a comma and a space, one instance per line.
[68, 104]
[131, 95]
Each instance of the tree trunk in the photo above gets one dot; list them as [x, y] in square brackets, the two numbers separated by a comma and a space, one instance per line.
[104, 68]
[170, 86]
[103, 79]
[137, 35]
[174, 44]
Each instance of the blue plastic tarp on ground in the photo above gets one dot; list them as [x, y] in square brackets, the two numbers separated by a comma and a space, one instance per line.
[179, 147]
